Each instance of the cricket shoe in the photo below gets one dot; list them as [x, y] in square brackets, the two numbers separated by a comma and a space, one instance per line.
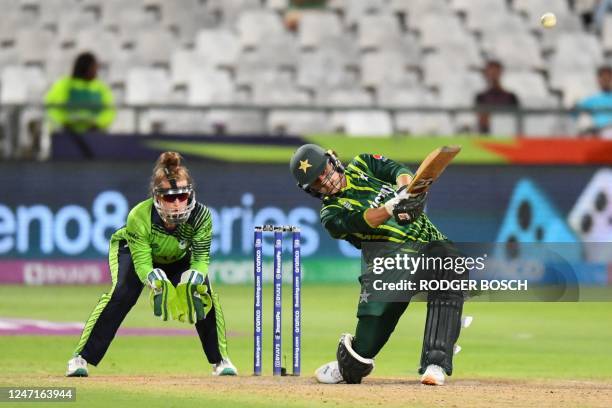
[77, 367]
[225, 367]
[434, 375]
[329, 373]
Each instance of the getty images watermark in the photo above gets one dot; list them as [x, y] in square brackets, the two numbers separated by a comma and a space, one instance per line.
[487, 271]
[452, 267]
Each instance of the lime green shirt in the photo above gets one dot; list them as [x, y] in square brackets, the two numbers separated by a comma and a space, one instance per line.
[151, 243]
[370, 182]
[73, 93]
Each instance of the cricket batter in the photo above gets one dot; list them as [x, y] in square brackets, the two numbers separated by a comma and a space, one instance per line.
[358, 205]
[165, 246]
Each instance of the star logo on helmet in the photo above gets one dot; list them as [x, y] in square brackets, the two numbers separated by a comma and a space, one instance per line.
[304, 165]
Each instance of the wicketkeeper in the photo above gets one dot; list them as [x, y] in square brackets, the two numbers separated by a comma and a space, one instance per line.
[164, 246]
[367, 201]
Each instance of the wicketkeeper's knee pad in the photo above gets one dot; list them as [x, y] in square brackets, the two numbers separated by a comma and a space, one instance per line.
[442, 327]
[352, 366]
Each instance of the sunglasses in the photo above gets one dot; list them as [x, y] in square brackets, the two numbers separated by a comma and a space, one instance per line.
[170, 198]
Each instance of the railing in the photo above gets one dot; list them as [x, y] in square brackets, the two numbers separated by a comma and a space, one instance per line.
[25, 133]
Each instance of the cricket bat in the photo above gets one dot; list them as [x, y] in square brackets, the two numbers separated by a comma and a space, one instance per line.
[431, 168]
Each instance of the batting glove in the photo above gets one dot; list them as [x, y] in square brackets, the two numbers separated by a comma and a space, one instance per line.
[406, 208]
[163, 295]
[194, 299]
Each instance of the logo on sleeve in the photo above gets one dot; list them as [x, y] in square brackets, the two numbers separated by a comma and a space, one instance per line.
[379, 157]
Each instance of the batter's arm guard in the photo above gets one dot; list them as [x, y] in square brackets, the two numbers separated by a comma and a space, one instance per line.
[352, 366]
[193, 297]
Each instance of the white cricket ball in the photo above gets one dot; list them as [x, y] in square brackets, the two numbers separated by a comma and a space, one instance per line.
[548, 20]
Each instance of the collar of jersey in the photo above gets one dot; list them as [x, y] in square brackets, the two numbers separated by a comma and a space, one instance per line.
[349, 184]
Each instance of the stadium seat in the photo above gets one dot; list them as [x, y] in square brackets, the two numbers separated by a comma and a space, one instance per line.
[518, 52]
[103, 43]
[503, 124]
[343, 47]
[465, 122]
[22, 85]
[416, 9]
[578, 51]
[183, 62]
[542, 125]
[433, 36]
[315, 25]
[279, 50]
[482, 13]
[279, 94]
[277, 5]
[236, 121]
[8, 56]
[578, 85]
[11, 22]
[127, 18]
[471, 6]
[500, 25]
[566, 23]
[120, 64]
[606, 33]
[423, 124]
[251, 70]
[58, 64]
[392, 96]
[530, 88]
[354, 10]
[344, 97]
[173, 121]
[457, 93]
[125, 122]
[72, 23]
[364, 123]
[139, 90]
[535, 8]
[255, 26]
[318, 69]
[220, 46]
[437, 71]
[185, 18]
[32, 45]
[298, 122]
[385, 67]
[209, 86]
[153, 47]
[52, 12]
[229, 10]
[464, 55]
[374, 31]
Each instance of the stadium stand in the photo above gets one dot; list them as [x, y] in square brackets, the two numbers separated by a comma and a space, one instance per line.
[371, 54]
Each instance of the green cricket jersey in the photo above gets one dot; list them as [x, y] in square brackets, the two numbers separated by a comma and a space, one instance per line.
[370, 182]
[150, 243]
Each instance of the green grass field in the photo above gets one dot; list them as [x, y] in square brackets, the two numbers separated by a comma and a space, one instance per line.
[507, 341]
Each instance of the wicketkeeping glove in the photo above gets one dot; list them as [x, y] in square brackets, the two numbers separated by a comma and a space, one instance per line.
[163, 295]
[406, 208]
[193, 297]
